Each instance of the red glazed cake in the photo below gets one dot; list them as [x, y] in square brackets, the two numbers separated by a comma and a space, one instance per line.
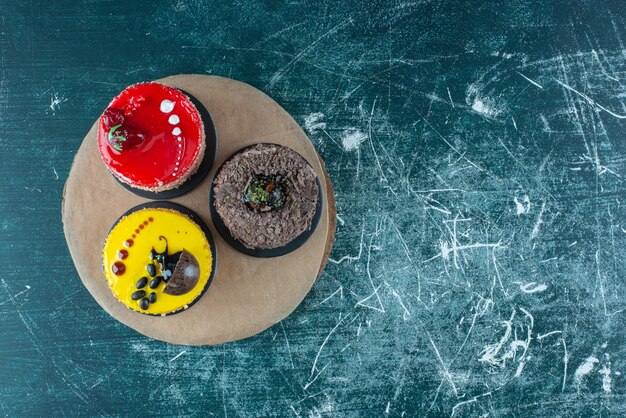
[151, 137]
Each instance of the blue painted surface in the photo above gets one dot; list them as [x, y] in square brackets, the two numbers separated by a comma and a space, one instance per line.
[478, 156]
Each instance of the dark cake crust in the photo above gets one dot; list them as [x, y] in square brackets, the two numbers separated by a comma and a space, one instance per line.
[275, 228]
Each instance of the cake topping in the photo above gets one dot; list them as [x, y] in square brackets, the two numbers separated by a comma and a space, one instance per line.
[141, 283]
[265, 193]
[167, 106]
[185, 275]
[154, 283]
[144, 304]
[112, 117]
[118, 268]
[138, 294]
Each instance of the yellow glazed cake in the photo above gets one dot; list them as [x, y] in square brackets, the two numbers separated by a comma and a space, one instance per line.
[157, 261]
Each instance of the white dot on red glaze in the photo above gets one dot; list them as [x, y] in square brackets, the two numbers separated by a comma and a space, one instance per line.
[167, 106]
[180, 145]
[179, 139]
[173, 120]
[176, 131]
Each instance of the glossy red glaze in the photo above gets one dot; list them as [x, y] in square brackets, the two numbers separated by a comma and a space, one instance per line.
[152, 162]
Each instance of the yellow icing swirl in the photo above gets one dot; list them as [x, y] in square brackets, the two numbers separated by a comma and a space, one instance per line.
[181, 233]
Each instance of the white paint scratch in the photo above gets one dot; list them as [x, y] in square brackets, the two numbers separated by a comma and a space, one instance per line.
[584, 369]
[380, 307]
[450, 96]
[287, 342]
[496, 355]
[522, 206]
[315, 378]
[313, 123]
[446, 372]
[565, 362]
[591, 101]
[349, 258]
[547, 334]
[339, 290]
[314, 367]
[177, 355]
[352, 139]
[281, 72]
[521, 365]
[11, 299]
[55, 102]
[533, 287]
[484, 106]
[606, 374]
[535, 232]
[474, 399]
[294, 411]
[454, 247]
[533, 82]
[406, 315]
[404, 245]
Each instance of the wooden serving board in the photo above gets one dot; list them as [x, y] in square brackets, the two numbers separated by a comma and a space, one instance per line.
[248, 294]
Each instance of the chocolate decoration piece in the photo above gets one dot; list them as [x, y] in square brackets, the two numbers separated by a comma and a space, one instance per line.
[141, 283]
[154, 283]
[151, 269]
[138, 295]
[144, 304]
[185, 276]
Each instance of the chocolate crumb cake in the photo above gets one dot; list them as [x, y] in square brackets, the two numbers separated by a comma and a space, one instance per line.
[266, 196]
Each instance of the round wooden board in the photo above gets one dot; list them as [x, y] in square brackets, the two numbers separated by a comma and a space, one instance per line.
[248, 294]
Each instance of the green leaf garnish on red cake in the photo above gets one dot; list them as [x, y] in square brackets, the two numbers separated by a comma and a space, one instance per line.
[120, 136]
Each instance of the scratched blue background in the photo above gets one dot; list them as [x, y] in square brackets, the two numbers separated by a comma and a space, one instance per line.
[478, 155]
